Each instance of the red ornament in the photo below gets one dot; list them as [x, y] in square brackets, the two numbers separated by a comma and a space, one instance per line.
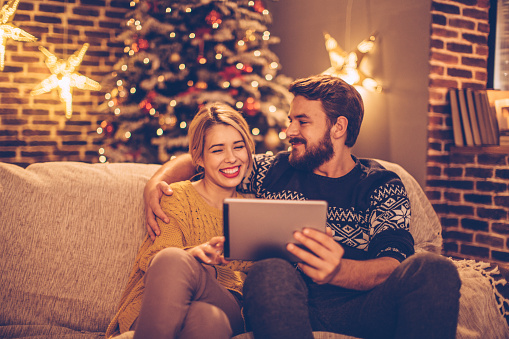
[108, 128]
[251, 106]
[230, 72]
[214, 18]
[258, 6]
[146, 104]
[143, 44]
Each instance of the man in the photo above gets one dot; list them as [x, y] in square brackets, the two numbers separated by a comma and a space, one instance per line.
[361, 277]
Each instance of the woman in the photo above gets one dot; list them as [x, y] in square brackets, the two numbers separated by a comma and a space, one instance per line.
[181, 285]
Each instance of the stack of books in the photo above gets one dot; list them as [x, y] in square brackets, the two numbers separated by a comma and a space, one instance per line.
[478, 117]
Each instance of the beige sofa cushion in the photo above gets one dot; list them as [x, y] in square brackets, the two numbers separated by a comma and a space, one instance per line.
[70, 232]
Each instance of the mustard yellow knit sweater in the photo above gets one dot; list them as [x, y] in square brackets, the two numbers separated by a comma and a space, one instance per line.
[192, 222]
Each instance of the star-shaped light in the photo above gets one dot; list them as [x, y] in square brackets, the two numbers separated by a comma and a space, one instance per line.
[9, 31]
[345, 65]
[65, 77]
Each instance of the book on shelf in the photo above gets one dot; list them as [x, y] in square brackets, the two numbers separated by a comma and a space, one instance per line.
[499, 103]
[491, 117]
[457, 129]
[487, 136]
[465, 119]
[473, 115]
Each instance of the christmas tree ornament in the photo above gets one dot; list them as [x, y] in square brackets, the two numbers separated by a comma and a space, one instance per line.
[346, 65]
[9, 31]
[65, 77]
[214, 19]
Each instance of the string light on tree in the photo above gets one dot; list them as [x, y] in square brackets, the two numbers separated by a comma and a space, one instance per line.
[64, 76]
[9, 31]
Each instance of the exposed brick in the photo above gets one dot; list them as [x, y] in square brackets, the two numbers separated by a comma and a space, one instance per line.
[8, 133]
[74, 143]
[500, 227]
[482, 76]
[478, 198]
[47, 19]
[500, 256]
[13, 143]
[456, 235]
[483, 27]
[6, 121]
[85, 11]
[473, 224]
[436, 146]
[444, 57]
[479, 172]
[452, 196]
[433, 195]
[475, 13]
[42, 143]
[119, 4]
[31, 133]
[442, 83]
[461, 184]
[35, 112]
[482, 50]
[489, 240]
[502, 173]
[462, 23]
[434, 170]
[64, 153]
[449, 222]
[478, 251]
[475, 38]
[441, 208]
[461, 158]
[438, 159]
[435, 43]
[502, 200]
[7, 154]
[444, 8]
[492, 159]
[437, 183]
[453, 171]
[450, 247]
[492, 213]
[8, 111]
[490, 186]
[476, 62]
[439, 19]
[99, 3]
[85, 23]
[467, 2]
[459, 48]
[51, 8]
[115, 15]
[440, 134]
[33, 154]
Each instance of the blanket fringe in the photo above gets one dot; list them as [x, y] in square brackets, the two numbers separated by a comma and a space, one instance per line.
[489, 272]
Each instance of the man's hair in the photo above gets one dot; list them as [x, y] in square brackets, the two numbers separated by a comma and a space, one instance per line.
[338, 99]
[214, 114]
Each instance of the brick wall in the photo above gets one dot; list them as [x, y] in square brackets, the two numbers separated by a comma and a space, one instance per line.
[35, 129]
[467, 186]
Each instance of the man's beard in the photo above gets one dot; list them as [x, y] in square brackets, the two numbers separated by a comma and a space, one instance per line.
[314, 156]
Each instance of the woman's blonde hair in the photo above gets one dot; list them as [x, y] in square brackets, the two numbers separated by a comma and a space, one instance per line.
[214, 114]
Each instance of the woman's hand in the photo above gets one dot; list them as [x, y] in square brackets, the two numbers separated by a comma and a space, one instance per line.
[210, 252]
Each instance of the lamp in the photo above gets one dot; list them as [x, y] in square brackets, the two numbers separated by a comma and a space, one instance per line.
[345, 65]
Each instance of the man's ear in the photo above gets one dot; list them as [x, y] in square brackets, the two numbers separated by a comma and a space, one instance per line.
[340, 127]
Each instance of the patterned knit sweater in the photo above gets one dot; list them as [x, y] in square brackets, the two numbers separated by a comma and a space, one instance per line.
[192, 222]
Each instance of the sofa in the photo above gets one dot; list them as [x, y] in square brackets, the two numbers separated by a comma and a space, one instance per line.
[70, 232]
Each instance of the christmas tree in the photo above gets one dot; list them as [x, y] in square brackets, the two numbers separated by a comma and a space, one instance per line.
[181, 54]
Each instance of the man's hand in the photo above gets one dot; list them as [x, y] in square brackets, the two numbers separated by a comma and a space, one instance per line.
[152, 196]
[324, 263]
[210, 252]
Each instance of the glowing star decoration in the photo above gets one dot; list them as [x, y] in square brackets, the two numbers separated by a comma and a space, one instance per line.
[9, 31]
[65, 77]
[345, 65]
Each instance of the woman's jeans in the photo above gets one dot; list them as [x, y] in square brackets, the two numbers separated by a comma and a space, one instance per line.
[183, 299]
[420, 299]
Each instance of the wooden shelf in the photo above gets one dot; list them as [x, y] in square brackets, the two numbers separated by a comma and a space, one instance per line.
[481, 149]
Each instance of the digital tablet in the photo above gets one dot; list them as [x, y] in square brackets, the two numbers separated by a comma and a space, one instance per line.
[257, 229]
